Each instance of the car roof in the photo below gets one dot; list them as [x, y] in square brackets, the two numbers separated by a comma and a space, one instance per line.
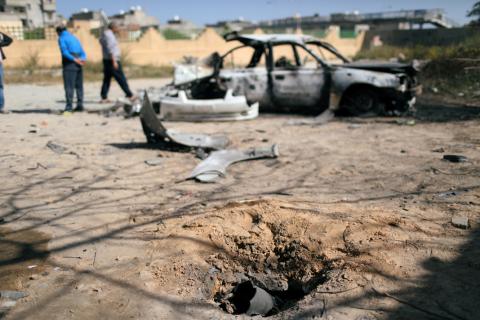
[255, 39]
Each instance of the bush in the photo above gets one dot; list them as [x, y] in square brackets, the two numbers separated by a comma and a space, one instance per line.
[452, 70]
[469, 49]
[171, 34]
[31, 62]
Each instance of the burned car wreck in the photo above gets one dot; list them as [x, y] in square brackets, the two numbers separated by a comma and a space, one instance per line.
[292, 73]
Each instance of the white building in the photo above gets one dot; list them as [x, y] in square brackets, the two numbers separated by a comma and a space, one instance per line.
[31, 13]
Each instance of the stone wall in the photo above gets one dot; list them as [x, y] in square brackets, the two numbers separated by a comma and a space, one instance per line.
[150, 49]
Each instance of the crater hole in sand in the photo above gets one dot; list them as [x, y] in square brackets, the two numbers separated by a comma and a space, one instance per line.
[270, 269]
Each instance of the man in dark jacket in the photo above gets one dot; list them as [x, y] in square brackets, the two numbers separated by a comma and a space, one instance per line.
[5, 41]
[73, 59]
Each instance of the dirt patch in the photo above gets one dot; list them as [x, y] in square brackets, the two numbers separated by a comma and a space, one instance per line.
[282, 250]
[294, 253]
[275, 256]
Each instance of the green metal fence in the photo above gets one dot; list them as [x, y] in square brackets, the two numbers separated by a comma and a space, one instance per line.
[348, 34]
[21, 33]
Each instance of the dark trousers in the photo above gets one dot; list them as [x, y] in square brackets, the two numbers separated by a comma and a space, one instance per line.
[73, 81]
[110, 72]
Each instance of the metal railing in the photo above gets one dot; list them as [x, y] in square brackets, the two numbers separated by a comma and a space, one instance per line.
[436, 16]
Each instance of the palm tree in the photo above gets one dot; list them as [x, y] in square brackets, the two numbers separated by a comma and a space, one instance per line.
[475, 12]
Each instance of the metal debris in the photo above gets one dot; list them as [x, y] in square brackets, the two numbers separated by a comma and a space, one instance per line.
[58, 149]
[455, 158]
[13, 295]
[131, 108]
[215, 166]
[157, 133]
[229, 108]
[406, 122]
[251, 300]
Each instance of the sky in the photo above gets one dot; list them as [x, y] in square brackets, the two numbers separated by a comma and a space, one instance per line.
[211, 11]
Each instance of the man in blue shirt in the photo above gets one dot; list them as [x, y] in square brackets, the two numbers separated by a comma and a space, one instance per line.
[73, 59]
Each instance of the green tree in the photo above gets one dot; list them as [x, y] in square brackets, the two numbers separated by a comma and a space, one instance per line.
[475, 12]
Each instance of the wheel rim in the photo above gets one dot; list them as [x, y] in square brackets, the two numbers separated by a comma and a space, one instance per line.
[360, 103]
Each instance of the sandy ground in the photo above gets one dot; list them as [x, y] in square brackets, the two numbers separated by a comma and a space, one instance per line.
[352, 221]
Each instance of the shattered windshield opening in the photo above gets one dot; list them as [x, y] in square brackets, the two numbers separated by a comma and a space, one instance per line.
[326, 52]
[244, 57]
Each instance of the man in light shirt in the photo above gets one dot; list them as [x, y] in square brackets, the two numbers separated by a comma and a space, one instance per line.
[5, 41]
[112, 67]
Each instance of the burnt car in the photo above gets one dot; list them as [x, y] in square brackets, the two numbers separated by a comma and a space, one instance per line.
[301, 74]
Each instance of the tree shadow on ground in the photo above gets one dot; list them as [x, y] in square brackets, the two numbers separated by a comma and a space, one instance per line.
[450, 291]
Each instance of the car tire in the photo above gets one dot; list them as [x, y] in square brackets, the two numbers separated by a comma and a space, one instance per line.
[362, 102]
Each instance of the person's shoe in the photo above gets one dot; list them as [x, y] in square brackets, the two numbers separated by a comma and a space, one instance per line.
[133, 98]
[67, 113]
[79, 109]
[3, 111]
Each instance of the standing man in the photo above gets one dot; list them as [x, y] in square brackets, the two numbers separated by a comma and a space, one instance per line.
[111, 63]
[73, 59]
[5, 41]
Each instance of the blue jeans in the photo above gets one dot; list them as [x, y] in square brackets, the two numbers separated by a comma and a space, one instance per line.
[73, 81]
[2, 97]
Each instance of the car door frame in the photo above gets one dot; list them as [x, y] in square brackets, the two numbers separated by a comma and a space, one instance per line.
[279, 102]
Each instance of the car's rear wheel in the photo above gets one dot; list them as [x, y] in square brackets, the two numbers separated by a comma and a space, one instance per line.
[361, 102]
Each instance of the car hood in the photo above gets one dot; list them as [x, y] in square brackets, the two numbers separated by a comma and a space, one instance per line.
[382, 66]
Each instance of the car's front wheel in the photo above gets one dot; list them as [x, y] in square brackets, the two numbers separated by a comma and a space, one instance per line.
[361, 101]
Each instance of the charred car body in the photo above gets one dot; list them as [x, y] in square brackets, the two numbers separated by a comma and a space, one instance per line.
[295, 73]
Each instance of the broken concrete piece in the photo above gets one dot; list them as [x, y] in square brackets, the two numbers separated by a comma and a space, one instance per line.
[156, 132]
[229, 108]
[216, 164]
[460, 222]
[13, 295]
[58, 149]
[5, 305]
[154, 162]
[438, 150]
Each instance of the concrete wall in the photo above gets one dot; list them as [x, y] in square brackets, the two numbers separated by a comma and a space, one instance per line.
[150, 49]
[426, 37]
